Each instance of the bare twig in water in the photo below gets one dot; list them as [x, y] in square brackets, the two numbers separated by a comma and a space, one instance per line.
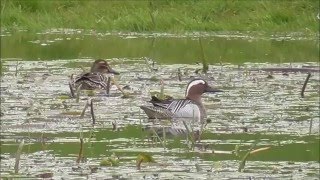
[114, 125]
[203, 58]
[43, 142]
[16, 165]
[80, 156]
[198, 167]
[78, 93]
[108, 85]
[179, 74]
[310, 127]
[85, 108]
[118, 86]
[305, 85]
[71, 88]
[162, 89]
[203, 126]
[89, 103]
[16, 71]
[92, 112]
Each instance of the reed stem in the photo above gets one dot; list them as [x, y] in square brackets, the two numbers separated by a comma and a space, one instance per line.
[205, 66]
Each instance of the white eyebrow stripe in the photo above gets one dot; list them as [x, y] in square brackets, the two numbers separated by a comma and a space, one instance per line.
[195, 82]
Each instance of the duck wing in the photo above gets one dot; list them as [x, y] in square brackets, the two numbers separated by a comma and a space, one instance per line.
[154, 112]
[175, 105]
[93, 77]
[94, 80]
[163, 109]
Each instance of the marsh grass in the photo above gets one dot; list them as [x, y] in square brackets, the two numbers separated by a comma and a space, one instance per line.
[163, 16]
[205, 66]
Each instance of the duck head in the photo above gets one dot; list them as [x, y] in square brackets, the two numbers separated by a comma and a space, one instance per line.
[197, 87]
[102, 66]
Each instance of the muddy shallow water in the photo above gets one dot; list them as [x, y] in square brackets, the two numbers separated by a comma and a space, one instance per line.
[258, 106]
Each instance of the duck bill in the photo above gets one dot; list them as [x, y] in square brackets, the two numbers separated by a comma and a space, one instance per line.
[210, 89]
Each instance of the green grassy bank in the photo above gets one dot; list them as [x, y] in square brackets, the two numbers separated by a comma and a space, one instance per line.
[173, 16]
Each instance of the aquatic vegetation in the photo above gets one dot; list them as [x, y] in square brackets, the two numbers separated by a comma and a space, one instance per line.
[144, 157]
[205, 66]
[246, 156]
[113, 160]
[40, 113]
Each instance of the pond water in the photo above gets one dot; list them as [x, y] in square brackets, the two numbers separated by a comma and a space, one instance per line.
[260, 107]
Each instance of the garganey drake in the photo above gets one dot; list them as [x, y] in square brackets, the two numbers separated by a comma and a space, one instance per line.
[95, 79]
[190, 107]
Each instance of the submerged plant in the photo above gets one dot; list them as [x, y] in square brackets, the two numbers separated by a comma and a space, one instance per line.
[113, 160]
[246, 156]
[144, 157]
